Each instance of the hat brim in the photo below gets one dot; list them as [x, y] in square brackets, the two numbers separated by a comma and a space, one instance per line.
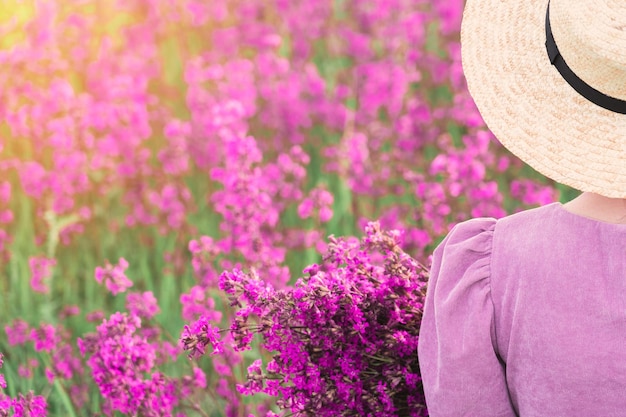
[530, 108]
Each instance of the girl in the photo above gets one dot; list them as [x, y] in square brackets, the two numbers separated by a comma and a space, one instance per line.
[526, 315]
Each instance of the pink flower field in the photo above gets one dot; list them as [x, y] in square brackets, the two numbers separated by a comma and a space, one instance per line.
[226, 208]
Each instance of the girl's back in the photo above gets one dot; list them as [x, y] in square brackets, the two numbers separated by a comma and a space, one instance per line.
[527, 316]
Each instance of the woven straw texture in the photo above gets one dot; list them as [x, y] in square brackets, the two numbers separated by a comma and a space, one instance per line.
[526, 103]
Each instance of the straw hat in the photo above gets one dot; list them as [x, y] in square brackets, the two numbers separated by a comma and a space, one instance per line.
[559, 127]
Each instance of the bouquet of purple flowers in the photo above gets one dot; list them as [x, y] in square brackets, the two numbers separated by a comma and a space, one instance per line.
[343, 339]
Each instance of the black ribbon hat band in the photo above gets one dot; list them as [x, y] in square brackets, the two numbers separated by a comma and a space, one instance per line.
[584, 89]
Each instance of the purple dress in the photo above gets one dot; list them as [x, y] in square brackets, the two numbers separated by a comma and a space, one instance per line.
[526, 316]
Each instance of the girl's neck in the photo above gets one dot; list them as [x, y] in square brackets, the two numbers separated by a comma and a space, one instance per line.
[595, 206]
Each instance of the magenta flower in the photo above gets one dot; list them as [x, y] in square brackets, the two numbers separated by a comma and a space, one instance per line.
[343, 339]
[197, 302]
[29, 405]
[319, 199]
[200, 334]
[95, 316]
[41, 272]
[45, 338]
[122, 364]
[113, 276]
[204, 251]
[18, 332]
[142, 305]
[199, 378]
[69, 311]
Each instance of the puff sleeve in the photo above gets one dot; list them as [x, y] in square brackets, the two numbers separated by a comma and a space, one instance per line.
[460, 369]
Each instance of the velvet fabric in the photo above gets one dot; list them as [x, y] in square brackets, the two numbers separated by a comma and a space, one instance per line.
[526, 316]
